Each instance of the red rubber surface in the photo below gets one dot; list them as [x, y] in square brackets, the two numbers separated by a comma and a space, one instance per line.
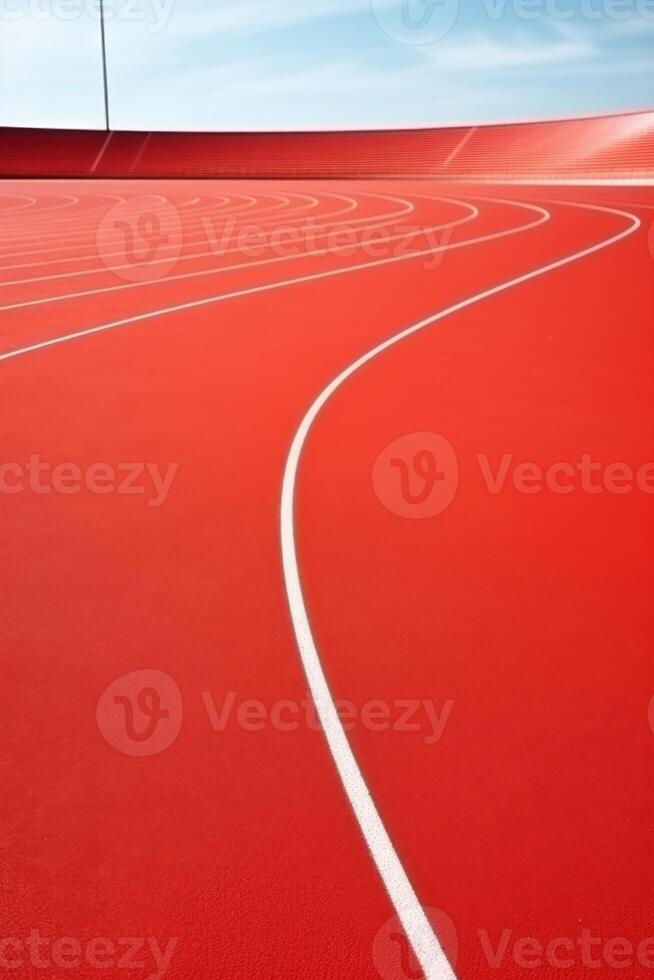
[530, 612]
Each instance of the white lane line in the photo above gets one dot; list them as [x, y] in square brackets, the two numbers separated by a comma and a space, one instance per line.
[417, 927]
[57, 225]
[89, 239]
[50, 222]
[238, 266]
[59, 231]
[185, 257]
[69, 201]
[90, 228]
[200, 220]
[57, 228]
[29, 203]
[60, 239]
[280, 284]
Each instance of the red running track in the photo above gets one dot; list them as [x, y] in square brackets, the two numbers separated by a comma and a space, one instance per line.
[488, 644]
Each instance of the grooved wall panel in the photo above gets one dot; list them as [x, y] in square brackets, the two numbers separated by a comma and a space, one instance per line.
[605, 146]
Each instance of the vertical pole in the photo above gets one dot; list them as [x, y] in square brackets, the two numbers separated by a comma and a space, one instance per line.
[104, 66]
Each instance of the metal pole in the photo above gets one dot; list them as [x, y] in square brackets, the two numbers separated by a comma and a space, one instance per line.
[104, 66]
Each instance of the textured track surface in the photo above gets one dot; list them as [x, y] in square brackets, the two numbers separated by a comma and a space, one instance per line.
[177, 333]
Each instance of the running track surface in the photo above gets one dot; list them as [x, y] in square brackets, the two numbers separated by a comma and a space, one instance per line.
[523, 618]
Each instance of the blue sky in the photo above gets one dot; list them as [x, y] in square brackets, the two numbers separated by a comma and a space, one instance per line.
[312, 64]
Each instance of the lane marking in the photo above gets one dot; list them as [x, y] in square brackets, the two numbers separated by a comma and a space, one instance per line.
[29, 203]
[279, 284]
[410, 912]
[217, 270]
[56, 225]
[57, 229]
[89, 229]
[89, 232]
[200, 218]
[99, 270]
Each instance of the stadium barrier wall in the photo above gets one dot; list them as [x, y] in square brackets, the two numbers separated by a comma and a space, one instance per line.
[603, 147]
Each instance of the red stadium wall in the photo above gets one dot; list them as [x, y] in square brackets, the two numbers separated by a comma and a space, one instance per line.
[619, 146]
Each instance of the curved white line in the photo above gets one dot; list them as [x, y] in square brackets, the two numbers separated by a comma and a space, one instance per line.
[48, 221]
[57, 225]
[213, 271]
[185, 257]
[410, 912]
[89, 229]
[29, 203]
[70, 200]
[282, 283]
[91, 243]
[85, 236]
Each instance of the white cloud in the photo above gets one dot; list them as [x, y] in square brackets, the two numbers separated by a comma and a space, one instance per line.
[229, 19]
[285, 64]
